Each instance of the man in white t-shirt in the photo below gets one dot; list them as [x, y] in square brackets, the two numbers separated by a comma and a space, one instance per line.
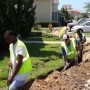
[19, 61]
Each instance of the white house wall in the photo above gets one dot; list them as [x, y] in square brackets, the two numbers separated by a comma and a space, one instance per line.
[43, 10]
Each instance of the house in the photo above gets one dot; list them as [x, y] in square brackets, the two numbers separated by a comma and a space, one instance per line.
[67, 6]
[46, 10]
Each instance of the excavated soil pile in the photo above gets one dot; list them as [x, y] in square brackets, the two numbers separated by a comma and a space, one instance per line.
[75, 78]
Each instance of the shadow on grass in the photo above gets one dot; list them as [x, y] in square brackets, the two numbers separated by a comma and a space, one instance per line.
[34, 50]
[1, 58]
[38, 36]
[3, 54]
[35, 34]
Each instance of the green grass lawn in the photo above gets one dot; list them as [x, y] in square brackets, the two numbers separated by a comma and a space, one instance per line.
[42, 34]
[45, 35]
[87, 34]
[45, 58]
[3, 71]
[38, 36]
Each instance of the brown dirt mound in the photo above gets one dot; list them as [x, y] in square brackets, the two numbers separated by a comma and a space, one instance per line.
[75, 78]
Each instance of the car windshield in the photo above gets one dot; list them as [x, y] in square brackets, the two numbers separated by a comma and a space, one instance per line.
[87, 24]
[82, 21]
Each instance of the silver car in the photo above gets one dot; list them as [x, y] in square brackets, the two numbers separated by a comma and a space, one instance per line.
[85, 27]
[79, 22]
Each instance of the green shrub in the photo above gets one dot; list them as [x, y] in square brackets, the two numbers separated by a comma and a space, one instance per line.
[36, 26]
[45, 24]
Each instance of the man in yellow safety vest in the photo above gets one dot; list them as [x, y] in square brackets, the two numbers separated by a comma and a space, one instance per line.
[82, 39]
[69, 51]
[63, 31]
[19, 63]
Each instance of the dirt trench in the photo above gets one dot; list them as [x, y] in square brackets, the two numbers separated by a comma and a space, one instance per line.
[75, 78]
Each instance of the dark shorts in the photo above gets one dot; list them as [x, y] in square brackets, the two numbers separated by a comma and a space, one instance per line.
[80, 57]
[72, 62]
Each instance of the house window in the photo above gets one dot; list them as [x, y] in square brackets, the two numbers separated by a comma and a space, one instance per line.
[54, 16]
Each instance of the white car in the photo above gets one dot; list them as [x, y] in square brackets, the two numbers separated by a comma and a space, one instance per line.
[79, 22]
[85, 27]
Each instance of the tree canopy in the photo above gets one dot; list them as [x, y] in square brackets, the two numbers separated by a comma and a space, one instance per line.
[87, 7]
[18, 16]
[67, 14]
[84, 15]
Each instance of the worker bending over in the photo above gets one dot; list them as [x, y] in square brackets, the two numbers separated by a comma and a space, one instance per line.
[69, 51]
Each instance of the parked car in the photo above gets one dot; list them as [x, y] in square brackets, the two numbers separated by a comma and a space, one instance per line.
[79, 22]
[84, 27]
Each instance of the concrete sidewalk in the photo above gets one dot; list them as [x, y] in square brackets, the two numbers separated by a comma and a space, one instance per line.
[49, 42]
[44, 42]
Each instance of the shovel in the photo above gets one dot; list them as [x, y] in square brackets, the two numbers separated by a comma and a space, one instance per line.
[9, 74]
[66, 66]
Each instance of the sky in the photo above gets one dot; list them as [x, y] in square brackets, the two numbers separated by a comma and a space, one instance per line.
[76, 4]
